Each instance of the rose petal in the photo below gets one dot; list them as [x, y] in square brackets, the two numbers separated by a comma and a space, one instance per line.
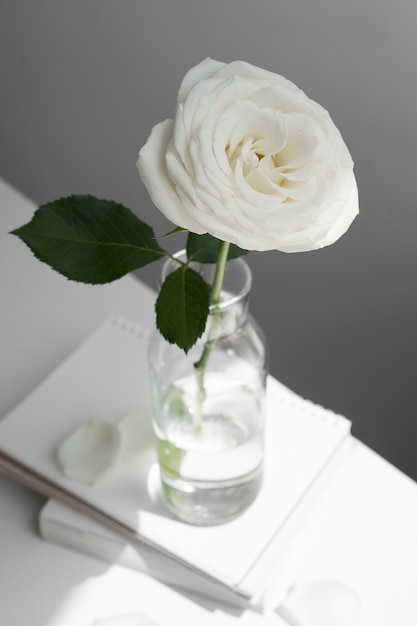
[321, 603]
[201, 71]
[152, 159]
[135, 431]
[89, 451]
[265, 127]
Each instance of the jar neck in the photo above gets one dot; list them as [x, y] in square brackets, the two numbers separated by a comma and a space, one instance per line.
[234, 297]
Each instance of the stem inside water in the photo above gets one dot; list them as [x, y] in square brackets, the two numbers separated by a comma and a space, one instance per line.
[216, 319]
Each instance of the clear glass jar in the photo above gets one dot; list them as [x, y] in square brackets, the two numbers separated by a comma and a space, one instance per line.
[210, 428]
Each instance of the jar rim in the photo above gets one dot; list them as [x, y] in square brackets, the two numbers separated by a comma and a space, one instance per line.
[232, 298]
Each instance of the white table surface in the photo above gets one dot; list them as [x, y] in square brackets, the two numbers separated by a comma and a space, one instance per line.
[363, 529]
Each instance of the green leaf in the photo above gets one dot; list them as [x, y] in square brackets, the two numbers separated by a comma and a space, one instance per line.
[175, 231]
[205, 248]
[182, 307]
[169, 457]
[90, 240]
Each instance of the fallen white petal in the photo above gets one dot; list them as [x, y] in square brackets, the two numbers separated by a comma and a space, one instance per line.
[321, 603]
[135, 431]
[89, 451]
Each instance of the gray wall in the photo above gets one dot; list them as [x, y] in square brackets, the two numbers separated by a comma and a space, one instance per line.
[82, 82]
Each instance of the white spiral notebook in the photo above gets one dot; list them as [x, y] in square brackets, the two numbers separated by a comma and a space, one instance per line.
[106, 378]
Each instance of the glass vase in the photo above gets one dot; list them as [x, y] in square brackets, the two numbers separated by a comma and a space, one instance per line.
[209, 426]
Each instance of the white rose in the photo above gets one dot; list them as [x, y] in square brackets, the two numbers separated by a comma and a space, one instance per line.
[251, 160]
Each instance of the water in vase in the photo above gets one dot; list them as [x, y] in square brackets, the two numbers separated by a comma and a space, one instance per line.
[210, 452]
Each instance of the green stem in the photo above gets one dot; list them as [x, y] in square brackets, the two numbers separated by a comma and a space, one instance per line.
[201, 364]
[219, 275]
